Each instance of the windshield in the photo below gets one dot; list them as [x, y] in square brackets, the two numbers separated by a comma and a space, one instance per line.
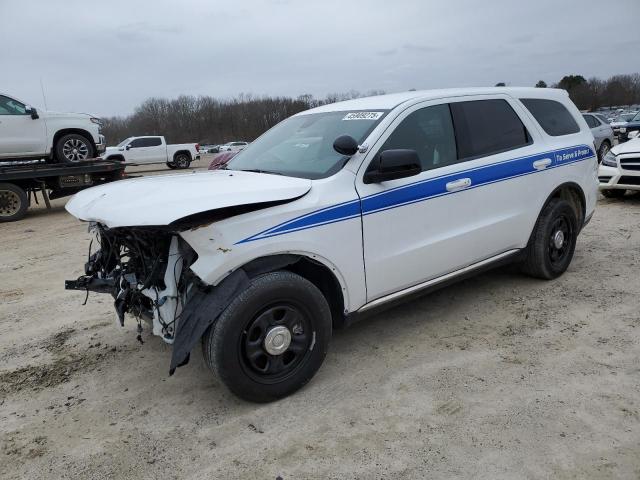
[124, 142]
[636, 118]
[302, 146]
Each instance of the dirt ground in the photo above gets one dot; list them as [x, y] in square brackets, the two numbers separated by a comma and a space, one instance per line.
[498, 377]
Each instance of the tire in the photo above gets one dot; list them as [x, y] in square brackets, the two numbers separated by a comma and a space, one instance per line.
[13, 202]
[73, 148]
[549, 253]
[181, 160]
[605, 146]
[613, 193]
[235, 346]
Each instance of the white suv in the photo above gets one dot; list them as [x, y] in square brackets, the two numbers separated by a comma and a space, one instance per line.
[233, 147]
[26, 134]
[335, 212]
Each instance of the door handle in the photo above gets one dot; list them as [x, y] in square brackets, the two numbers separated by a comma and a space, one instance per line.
[458, 184]
[542, 164]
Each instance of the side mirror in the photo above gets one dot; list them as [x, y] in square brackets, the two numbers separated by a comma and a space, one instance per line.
[392, 165]
[32, 111]
[345, 145]
[128, 147]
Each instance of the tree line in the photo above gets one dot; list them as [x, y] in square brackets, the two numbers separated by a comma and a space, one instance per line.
[210, 120]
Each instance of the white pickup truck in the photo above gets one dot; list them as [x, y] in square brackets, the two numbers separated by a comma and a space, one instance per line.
[29, 134]
[153, 149]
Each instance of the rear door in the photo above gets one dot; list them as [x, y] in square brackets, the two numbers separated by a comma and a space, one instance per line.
[20, 135]
[468, 204]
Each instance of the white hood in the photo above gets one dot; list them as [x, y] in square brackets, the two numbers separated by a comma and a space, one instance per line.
[164, 199]
[631, 146]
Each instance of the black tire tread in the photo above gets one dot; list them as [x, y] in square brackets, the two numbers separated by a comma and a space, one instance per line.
[213, 340]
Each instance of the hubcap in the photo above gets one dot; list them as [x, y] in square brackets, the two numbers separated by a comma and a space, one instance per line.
[9, 203]
[277, 340]
[75, 150]
[558, 239]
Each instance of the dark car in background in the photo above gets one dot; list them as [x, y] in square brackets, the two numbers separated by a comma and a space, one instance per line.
[632, 125]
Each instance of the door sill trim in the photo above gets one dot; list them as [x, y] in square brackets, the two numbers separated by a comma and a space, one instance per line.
[435, 281]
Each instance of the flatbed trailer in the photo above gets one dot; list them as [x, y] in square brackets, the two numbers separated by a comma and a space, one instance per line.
[22, 182]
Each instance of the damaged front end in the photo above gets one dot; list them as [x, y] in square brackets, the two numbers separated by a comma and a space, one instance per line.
[146, 270]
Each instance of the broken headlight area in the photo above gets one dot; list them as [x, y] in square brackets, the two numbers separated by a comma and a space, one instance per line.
[146, 270]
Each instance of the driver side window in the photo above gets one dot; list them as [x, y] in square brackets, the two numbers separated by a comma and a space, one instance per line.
[9, 106]
[428, 131]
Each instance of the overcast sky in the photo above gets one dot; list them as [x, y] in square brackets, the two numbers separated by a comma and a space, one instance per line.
[105, 57]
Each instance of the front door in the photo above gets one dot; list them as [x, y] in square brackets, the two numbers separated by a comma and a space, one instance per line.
[20, 135]
[461, 209]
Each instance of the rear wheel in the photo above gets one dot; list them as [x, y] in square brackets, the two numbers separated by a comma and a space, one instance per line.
[13, 202]
[271, 339]
[613, 193]
[73, 148]
[553, 241]
[181, 160]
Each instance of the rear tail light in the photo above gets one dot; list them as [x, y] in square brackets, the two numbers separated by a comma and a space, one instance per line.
[198, 147]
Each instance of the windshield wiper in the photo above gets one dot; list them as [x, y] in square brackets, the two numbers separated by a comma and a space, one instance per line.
[257, 170]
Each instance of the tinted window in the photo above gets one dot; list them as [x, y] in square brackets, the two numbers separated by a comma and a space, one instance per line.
[485, 127]
[9, 106]
[428, 131]
[590, 121]
[552, 116]
[145, 142]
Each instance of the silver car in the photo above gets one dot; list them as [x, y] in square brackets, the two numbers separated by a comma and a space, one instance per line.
[602, 133]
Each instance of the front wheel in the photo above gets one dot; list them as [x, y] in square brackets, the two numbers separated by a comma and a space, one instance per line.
[73, 148]
[553, 241]
[271, 339]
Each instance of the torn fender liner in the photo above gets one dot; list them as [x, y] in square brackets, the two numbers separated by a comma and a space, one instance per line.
[203, 308]
[200, 312]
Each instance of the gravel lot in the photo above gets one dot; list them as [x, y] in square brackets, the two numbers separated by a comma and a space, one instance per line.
[500, 376]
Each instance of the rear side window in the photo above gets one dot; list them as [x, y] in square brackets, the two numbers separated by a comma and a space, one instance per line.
[553, 117]
[591, 121]
[486, 127]
[153, 142]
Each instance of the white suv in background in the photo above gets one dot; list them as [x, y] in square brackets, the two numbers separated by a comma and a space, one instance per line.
[233, 146]
[336, 212]
[27, 134]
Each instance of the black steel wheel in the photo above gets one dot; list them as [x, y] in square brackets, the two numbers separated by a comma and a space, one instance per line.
[553, 241]
[271, 339]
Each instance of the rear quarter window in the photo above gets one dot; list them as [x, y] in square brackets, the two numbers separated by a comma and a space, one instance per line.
[553, 117]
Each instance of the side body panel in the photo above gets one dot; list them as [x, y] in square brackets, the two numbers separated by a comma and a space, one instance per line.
[21, 135]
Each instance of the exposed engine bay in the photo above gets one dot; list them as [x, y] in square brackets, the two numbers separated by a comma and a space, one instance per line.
[146, 270]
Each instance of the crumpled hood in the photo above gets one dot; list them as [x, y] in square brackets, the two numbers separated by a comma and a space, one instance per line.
[631, 146]
[163, 199]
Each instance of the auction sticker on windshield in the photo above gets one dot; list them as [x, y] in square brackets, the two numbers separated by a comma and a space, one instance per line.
[363, 116]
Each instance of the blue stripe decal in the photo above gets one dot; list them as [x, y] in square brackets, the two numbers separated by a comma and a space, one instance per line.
[426, 189]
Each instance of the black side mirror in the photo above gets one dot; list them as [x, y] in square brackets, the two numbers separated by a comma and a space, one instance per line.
[128, 147]
[33, 112]
[393, 164]
[345, 145]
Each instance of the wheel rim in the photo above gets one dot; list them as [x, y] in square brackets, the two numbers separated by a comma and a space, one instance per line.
[75, 150]
[275, 343]
[560, 240]
[9, 203]
[182, 161]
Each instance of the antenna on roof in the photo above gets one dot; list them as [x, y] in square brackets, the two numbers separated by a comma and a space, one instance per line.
[44, 98]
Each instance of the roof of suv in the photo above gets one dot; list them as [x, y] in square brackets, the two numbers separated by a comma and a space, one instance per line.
[392, 100]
